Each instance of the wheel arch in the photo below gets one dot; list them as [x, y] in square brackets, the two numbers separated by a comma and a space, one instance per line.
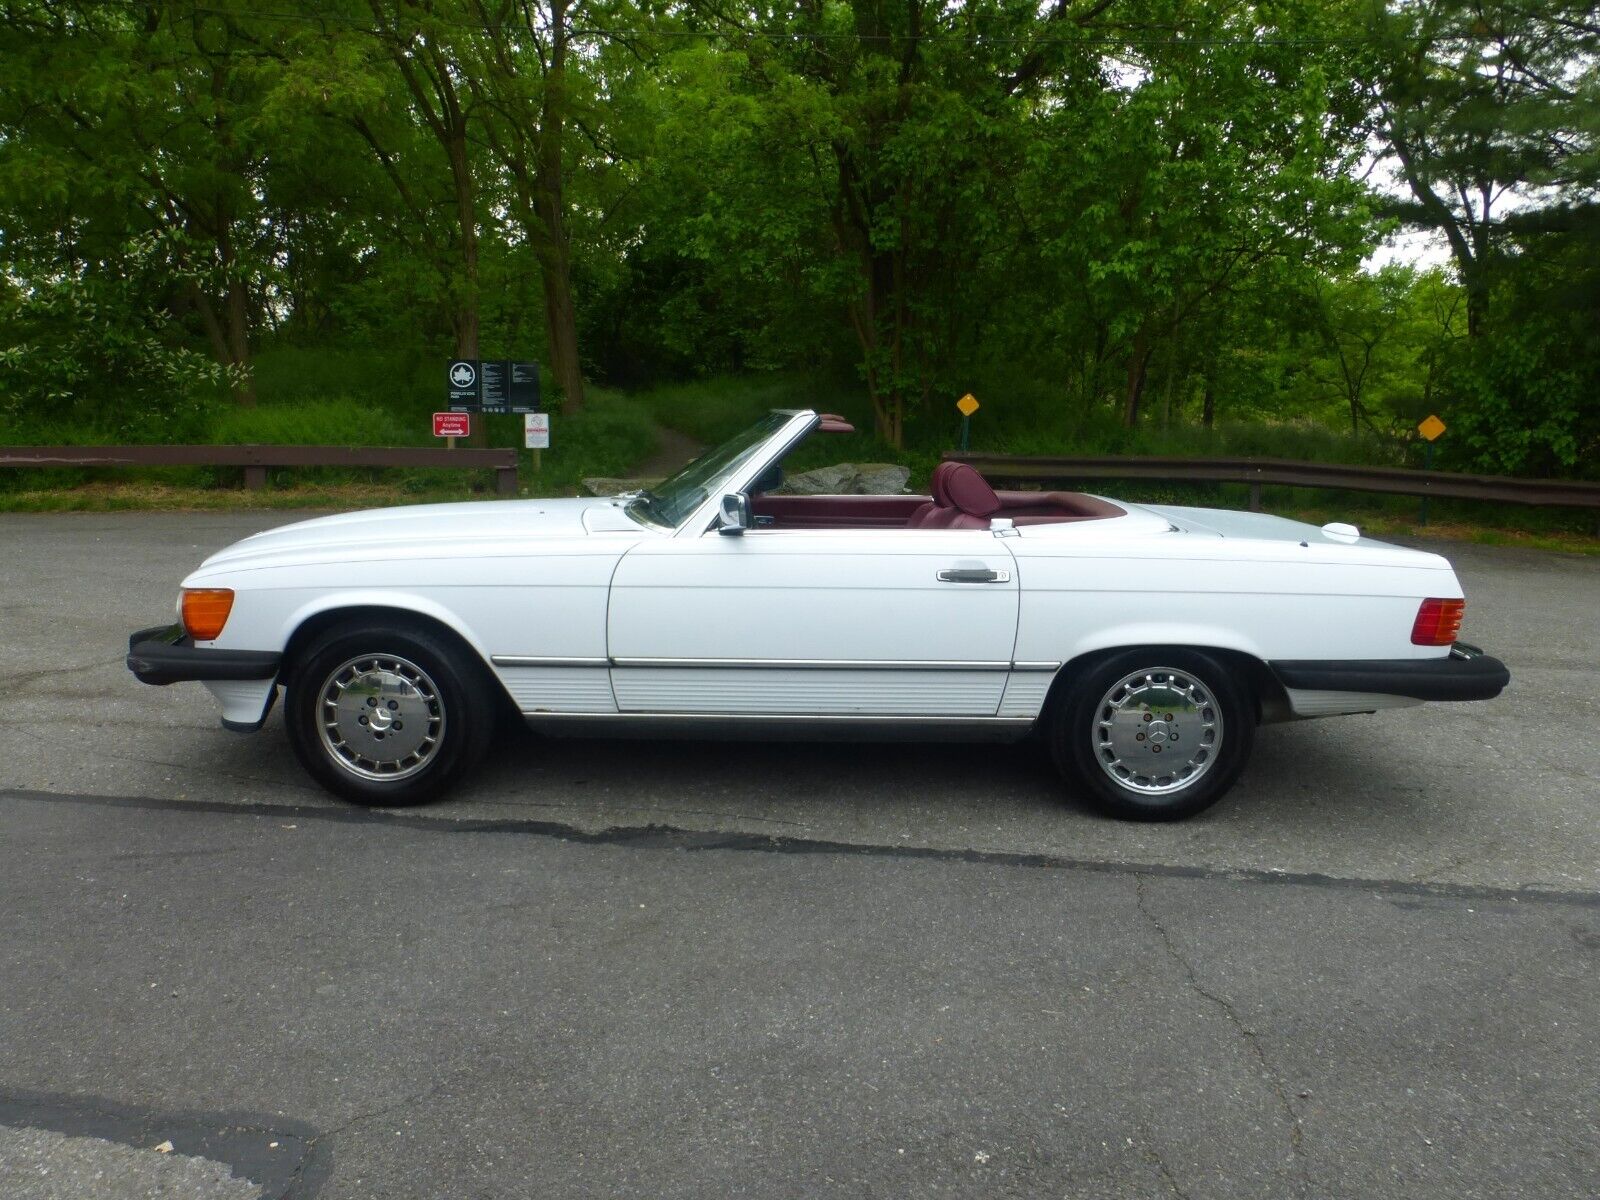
[1267, 695]
[307, 626]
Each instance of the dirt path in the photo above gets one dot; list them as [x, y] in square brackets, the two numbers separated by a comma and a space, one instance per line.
[673, 450]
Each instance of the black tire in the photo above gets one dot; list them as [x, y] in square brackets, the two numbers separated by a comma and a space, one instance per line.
[1090, 733]
[431, 682]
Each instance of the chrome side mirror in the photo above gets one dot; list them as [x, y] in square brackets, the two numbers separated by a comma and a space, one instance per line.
[733, 514]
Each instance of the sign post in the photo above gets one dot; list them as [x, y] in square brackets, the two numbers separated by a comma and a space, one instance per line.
[966, 406]
[1430, 428]
[490, 385]
[450, 426]
[536, 435]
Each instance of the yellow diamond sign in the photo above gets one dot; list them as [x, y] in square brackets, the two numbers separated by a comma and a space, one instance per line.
[968, 405]
[1431, 428]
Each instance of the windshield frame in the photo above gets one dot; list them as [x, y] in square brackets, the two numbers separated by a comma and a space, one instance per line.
[783, 429]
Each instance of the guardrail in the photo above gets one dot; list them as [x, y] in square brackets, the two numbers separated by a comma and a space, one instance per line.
[1009, 468]
[257, 460]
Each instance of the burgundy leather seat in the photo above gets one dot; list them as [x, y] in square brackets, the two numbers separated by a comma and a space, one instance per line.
[919, 518]
[961, 500]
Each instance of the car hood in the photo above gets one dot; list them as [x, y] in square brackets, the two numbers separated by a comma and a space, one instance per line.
[422, 531]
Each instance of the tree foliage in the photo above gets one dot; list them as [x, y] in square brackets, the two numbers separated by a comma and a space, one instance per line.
[1094, 212]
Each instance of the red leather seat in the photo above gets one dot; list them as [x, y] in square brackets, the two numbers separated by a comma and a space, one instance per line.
[962, 499]
[920, 518]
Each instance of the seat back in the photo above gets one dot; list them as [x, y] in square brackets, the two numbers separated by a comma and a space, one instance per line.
[961, 500]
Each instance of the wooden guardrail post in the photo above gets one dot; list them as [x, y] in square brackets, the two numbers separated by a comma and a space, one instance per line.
[257, 460]
[1254, 473]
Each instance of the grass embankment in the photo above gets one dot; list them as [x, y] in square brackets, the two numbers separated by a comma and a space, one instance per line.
[368, 398]
[340, 398]
[714, 409]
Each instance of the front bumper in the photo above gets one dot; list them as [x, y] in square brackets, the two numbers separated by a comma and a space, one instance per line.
[165, 654]
[1466, 673]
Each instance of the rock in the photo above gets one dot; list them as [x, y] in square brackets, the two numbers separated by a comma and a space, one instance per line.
[841, 479]
[848, 479]
[882, 479]
[600, 485]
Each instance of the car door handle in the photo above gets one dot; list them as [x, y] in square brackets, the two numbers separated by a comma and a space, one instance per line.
[973, 575]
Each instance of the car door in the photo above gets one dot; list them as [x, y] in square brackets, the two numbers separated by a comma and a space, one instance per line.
[831, 623]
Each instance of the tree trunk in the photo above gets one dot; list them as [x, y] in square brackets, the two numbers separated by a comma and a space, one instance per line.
[244, 383]
[466, 314]
[1168, 379]
[1208, 405]
[554, 250]
[1138, 368]
[465, 317]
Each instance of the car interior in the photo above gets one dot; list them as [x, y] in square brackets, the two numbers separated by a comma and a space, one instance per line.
[961, 499]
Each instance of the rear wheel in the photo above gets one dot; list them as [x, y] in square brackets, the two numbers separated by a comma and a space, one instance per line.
[387, 717]
[1154, 735]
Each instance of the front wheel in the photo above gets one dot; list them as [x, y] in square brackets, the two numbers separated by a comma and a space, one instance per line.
[386, 717]
[1154, 735]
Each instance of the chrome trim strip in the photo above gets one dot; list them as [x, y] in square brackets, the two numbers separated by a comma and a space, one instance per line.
[778, 664]
[846, 718]
[814, 664]
[516, 660]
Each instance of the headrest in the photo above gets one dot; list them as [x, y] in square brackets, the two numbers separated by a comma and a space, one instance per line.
[937, 484]
[969, 491]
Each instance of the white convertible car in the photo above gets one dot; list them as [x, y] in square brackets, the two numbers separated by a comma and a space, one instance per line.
[1143, 643]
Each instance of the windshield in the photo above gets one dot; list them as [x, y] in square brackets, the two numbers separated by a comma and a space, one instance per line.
[670, 502]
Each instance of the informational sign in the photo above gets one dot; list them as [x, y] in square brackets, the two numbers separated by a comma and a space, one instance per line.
[463, 380]
[522, 386]
[1431, 427]
[967, 405]
[536, 431]
[452, 425]
[493, 385]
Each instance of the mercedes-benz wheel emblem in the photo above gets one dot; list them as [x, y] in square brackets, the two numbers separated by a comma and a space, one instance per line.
[462, 375]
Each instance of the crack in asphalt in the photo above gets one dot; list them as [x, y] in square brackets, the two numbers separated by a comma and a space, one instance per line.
[1165, 1171]
[1247, 1035]
[404, 1102]
[669, 837]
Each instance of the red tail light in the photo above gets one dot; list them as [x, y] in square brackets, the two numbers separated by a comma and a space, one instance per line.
[1438, 622]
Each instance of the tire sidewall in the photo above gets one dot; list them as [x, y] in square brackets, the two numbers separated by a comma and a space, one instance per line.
[468, 716]
[1073, 750]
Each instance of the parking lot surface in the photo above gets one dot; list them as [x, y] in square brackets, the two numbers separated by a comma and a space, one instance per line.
[702, 969]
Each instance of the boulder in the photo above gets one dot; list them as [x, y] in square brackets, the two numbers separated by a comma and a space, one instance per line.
[600, 485]
[848, 479]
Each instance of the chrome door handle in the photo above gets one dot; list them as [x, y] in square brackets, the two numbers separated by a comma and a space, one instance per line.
[973, 575]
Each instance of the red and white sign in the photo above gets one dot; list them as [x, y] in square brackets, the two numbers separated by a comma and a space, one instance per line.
[536, 431]
[451, 424]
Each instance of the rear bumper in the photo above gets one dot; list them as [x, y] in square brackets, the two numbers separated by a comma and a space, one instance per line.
[1466, 673]
[165, 654]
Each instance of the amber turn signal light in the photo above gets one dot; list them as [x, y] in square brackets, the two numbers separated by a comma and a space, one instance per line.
[205, 611]
[1438, 622]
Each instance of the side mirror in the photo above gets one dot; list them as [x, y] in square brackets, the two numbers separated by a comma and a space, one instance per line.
[733, 514]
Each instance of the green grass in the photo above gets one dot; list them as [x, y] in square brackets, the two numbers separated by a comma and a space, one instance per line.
[357, 398]
[363, 397]
[713, 410]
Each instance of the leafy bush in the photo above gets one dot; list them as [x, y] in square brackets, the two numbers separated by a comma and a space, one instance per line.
[90, 361]
[1524, 402]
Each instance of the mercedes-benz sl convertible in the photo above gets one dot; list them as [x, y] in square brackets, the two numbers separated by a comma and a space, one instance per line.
[1143, 644]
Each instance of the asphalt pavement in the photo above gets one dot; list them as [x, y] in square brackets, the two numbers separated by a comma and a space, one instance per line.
[636, 969]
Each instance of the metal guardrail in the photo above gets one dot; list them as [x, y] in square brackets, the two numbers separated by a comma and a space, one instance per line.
[1008, 468]
[257, 460]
